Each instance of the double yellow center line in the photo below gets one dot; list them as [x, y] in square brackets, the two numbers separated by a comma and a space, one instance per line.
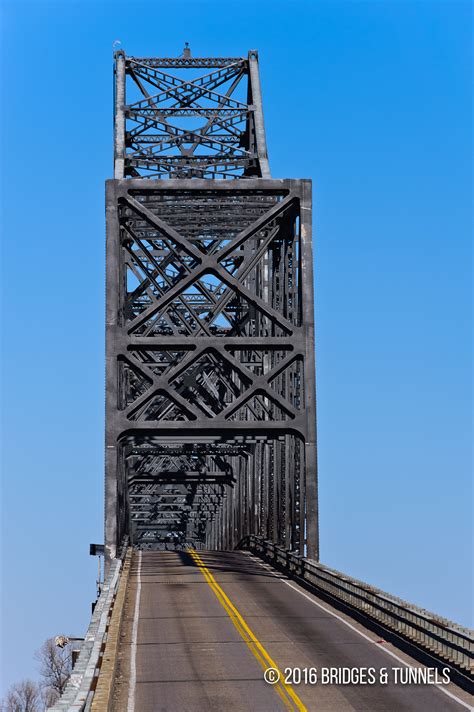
[288, 696]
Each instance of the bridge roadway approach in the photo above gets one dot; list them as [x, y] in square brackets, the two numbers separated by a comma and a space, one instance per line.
[199, 629]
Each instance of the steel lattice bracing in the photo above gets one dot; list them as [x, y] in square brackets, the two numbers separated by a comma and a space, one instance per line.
[210, 334]
[207, 122]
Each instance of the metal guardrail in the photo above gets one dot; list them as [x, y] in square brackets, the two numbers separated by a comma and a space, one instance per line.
[438, 636]
[79, 691]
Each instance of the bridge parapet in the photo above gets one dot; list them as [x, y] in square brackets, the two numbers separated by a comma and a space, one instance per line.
[80, 689]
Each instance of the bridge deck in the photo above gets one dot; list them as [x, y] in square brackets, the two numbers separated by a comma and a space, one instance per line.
[183, 644]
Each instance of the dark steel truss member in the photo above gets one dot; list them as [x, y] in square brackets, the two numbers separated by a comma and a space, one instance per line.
[210, 422]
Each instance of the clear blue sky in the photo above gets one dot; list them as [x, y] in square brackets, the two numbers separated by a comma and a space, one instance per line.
[372, 101]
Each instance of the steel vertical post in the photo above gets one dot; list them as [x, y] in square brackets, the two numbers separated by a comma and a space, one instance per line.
[310, 452]
[256, 93]
[119, 124]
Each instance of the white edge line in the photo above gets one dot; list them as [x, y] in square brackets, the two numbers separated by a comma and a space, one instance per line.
[133, 655]
[349, 625]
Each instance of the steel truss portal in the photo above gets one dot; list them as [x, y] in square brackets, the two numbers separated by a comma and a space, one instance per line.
[210, 422]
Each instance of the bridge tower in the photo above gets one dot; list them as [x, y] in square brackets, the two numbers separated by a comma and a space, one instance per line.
[210, 385]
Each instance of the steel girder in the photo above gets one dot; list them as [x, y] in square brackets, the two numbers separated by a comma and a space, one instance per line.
[210, 415]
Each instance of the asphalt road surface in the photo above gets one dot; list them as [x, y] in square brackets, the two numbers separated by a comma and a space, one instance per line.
[199, 630]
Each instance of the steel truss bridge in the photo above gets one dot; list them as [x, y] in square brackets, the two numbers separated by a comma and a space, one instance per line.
[211, 424]
[211, 517]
